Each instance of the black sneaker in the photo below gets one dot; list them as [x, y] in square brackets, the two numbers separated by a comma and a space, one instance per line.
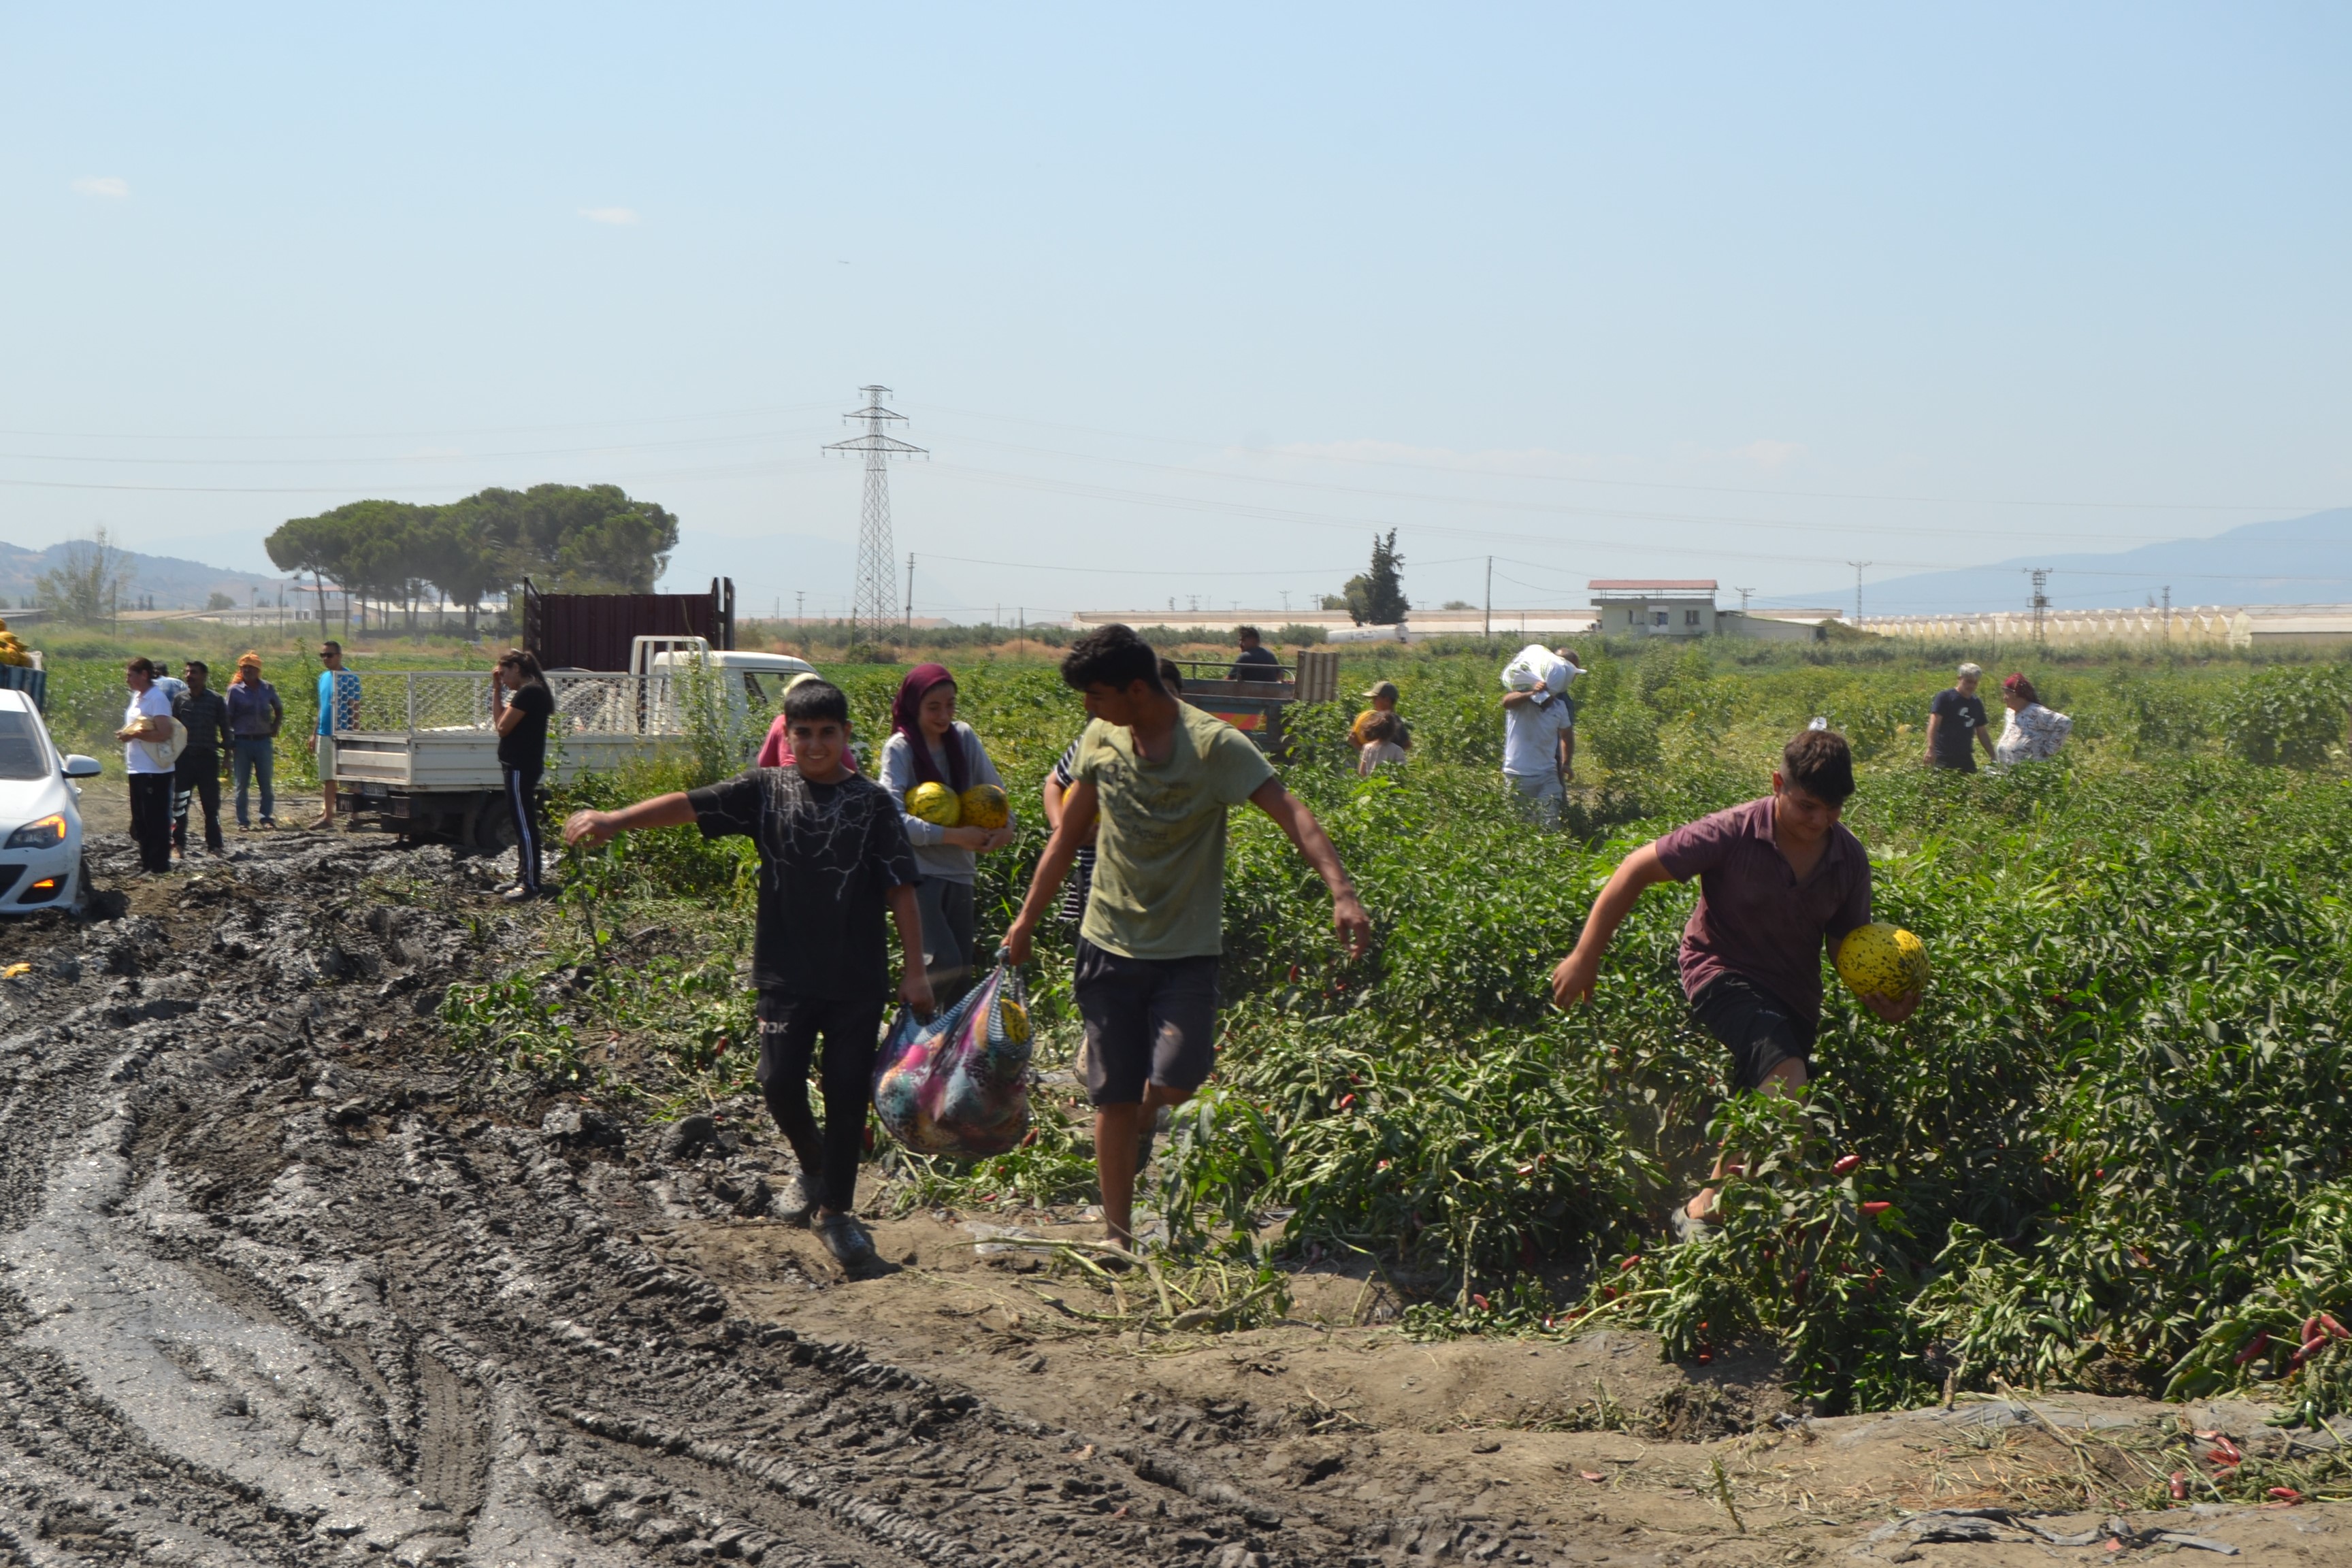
[850, 1246]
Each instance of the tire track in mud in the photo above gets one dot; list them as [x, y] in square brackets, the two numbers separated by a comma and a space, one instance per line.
[277, 1291]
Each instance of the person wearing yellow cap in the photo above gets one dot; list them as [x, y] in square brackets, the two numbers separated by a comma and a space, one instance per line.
[254, 715]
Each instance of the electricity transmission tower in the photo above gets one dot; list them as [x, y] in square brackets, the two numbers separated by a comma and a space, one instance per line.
[2041, 601]
[1857, 566]
[872, 606]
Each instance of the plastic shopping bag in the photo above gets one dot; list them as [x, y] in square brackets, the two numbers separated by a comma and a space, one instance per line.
[1535, 666]
[958, 1083]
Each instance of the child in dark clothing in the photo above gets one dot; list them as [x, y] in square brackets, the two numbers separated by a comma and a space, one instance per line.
[832, 856]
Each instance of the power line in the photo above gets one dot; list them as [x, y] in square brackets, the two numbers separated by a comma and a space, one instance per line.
[1557, 509]
[763, 413]
[1310, 455]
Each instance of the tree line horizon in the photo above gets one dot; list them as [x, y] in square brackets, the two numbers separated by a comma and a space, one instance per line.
[574, 539]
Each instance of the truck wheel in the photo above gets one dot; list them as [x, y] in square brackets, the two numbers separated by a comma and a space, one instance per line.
[488, 827]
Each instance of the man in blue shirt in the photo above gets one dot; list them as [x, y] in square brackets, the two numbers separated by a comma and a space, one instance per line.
[254, 715]
[339, 708]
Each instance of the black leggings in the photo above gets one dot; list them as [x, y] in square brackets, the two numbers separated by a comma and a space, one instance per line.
[522, 800]
[789, 1028]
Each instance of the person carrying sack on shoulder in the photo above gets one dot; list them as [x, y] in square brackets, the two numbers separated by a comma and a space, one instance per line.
[832, 856]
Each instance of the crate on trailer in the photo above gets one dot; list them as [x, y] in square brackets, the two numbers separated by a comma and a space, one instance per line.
[30, 678]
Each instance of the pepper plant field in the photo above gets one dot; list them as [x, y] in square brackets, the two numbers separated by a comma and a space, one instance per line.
[2109, 1152]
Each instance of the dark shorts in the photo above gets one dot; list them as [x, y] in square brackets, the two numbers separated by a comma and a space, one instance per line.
[1757, 1028]
[1148, 1020]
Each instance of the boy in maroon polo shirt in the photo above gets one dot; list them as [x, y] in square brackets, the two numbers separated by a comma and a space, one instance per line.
[1778, 878]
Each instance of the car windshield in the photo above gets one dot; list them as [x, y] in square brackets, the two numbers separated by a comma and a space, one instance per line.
[22, 756]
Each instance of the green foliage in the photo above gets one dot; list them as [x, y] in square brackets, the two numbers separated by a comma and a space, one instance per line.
[2286, 716]
[2112, 1146]
[567, 538]
[1376, 596]
[88, 584]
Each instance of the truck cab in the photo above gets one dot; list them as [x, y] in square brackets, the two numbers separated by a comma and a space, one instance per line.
[748, 683]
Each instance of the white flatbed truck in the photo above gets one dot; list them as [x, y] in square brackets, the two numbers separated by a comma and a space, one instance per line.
[420, 755]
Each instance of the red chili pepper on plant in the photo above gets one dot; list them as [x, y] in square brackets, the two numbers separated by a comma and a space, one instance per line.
[1846, 1166]
[1876, 1208]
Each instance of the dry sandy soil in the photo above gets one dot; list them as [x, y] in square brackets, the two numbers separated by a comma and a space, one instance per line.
[280, 1283]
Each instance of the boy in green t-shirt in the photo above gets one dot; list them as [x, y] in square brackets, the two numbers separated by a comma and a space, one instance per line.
[1159, 776]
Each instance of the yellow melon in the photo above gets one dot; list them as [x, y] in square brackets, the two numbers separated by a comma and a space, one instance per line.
[1015, 1019]
[984, 805]
[934, 803]
[1881, 960]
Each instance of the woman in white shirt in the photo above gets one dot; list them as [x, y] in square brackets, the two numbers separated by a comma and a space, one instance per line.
[2033, 733]
[146, 736]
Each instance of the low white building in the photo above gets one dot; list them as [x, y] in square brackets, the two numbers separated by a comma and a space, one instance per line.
[1654, 607]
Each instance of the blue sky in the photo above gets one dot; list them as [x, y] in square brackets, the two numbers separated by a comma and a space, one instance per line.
[1185, 302]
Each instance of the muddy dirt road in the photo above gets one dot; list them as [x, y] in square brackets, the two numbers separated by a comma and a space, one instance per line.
[278, 1285]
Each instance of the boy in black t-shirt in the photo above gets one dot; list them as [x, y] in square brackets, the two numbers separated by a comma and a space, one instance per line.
[832, 855]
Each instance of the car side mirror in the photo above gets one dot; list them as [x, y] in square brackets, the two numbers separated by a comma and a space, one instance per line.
[80, 767]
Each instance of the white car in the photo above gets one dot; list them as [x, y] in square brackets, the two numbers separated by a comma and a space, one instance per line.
[40, 823]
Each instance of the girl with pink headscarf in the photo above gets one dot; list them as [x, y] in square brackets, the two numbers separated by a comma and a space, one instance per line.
[927, 745]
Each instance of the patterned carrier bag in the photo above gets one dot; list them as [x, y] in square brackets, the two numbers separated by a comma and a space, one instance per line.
[958, 1083]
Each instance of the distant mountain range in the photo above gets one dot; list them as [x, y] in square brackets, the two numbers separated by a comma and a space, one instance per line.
[2296, 561]
[171, 583]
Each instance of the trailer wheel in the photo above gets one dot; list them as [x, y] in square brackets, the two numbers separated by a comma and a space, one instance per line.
[489, 829]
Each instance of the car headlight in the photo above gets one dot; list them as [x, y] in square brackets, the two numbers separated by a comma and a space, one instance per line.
[45, 833]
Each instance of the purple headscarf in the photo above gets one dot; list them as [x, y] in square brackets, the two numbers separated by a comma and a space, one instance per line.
[906, 718]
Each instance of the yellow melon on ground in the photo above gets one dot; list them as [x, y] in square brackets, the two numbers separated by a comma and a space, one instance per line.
[1881, 960]
[984, 805]
[934, 803]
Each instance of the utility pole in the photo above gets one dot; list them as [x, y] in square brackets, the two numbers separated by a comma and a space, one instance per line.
[1285, 600]
[1486, 621]
[800, 606]
[869, 605]
[2041, 604]
[2167, 612]
[910, 589]
[1743, 594]
[1857, 566]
